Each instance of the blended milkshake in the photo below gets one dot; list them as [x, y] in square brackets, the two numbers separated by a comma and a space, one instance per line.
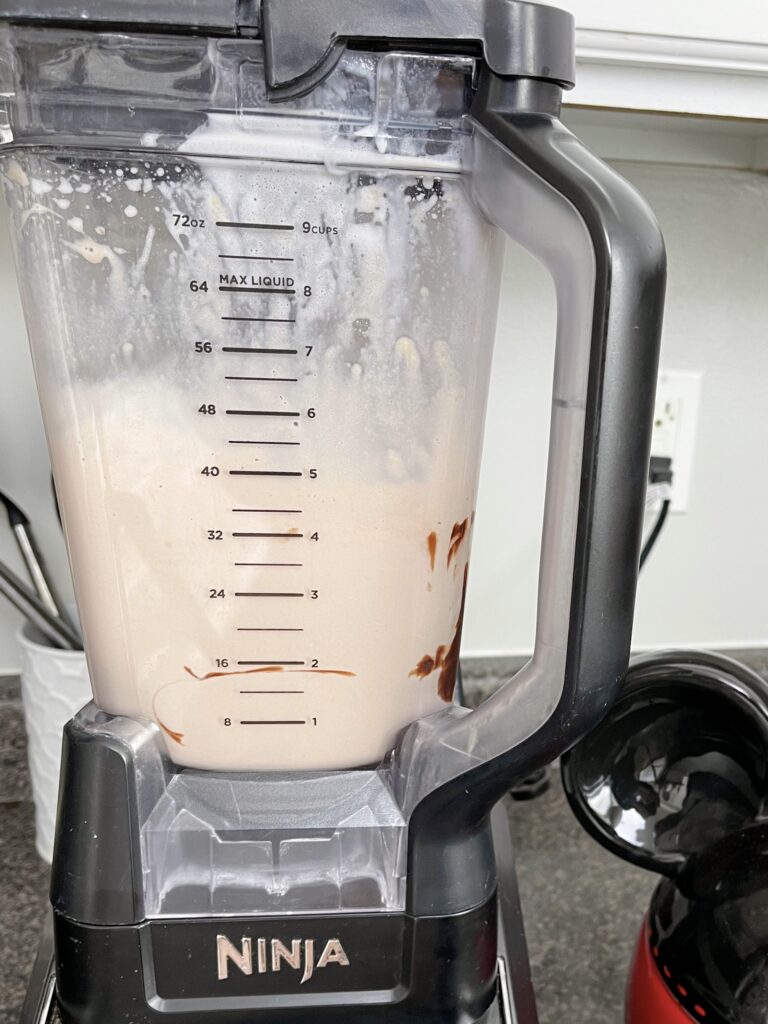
[264, 385]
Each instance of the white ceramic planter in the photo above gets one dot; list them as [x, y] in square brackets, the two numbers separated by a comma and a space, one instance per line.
[54, 686]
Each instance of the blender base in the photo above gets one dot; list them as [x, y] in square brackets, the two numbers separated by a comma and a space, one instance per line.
[514, 1002]
[204, 898]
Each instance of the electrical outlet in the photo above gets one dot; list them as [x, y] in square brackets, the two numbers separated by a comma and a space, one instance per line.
[675, 421]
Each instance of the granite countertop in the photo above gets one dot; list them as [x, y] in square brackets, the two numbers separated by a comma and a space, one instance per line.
[582, 906]
[23, 876]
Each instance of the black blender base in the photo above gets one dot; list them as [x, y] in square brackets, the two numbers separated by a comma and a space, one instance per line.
[514, 1002]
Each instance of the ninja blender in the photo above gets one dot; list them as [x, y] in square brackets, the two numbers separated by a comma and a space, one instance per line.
[259, 250]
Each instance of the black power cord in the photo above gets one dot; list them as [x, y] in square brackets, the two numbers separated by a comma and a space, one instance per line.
[653, 536]
[659, 472]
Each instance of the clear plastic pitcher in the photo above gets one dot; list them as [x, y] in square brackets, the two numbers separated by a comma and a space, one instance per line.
[262, 333]
[262, 338]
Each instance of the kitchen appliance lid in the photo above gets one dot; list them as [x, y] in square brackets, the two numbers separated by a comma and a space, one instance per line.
[303, 41]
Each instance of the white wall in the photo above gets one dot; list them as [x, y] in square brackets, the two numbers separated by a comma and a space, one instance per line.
[741, 19]
[705, 583]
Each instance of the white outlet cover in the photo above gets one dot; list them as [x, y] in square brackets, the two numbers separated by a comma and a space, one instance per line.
[675, 422]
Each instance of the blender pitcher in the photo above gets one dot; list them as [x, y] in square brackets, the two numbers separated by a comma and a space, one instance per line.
[262, 337]
[259, 253]
[262, 334]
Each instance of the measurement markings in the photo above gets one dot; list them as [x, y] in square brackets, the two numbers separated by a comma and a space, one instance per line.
[282, 443]
[261, 351]
[276, 565]
[288, 511]
[255, 226]
[266, 259]
[271, 662]
[256, 291]
[261, 412]
[265, 593]
[297, 535]
[274, 721]
[268, 380]
[272, 691]
[264, 472]
[261, 320]
[270, 629]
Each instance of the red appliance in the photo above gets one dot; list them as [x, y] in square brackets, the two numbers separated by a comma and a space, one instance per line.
[675, 780]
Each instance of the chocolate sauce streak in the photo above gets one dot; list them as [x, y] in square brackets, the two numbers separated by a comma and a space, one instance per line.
[177, 737]
[423, 669]
[446, 682]
[432, 549]
[324, 671]
[446, 659]
[269, 668]
[232, 672]
[458, 533]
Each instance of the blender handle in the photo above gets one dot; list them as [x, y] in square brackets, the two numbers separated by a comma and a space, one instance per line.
[603, 248]
[610, 283]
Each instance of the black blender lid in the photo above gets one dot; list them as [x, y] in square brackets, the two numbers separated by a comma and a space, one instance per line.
[304, 39]
[218, 16]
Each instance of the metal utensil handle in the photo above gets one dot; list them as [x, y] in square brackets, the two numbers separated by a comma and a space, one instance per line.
[33, 560]
[19, 594]
[36, 567]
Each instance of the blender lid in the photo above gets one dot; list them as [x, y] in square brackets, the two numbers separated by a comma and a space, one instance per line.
[304, 40]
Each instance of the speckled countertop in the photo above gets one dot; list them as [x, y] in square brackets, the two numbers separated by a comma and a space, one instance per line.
[23, 876]
[582, 907]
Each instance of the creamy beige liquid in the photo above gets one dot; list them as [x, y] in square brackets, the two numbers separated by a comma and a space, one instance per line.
[268, 483]
[366, 642]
